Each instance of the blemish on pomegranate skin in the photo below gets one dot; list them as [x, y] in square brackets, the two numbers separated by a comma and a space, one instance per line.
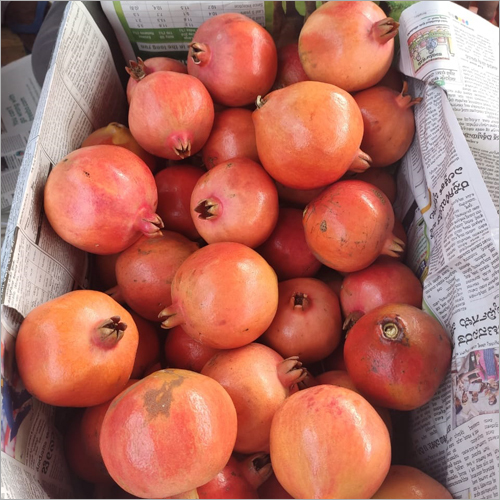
[322, 226]
[86, 174]
[158, 401]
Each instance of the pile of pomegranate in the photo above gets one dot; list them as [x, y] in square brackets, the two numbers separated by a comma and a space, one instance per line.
[252, 326]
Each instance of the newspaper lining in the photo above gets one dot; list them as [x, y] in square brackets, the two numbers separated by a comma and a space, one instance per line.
[447, 199]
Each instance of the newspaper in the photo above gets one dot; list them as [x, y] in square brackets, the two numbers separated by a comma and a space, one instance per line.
[20, 94]
[81, 92]
[448, 199]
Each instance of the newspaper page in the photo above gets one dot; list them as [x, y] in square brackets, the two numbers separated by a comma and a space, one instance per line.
[153, 29]
[447, 189]
[20, 94]
[81, 92]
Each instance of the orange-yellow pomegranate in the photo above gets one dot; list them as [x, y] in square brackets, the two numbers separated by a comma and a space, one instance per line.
[167, 434]
[408, 482]
[329, 442]
[77, 349]
[309, 134]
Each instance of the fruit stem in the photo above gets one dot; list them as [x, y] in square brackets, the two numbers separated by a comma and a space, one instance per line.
[110, 331]
[290, 372]
[405, 100]
[199, 52]
[256, 469]
[351, 319]
[137, 70]
[259, 102]
[170, 317]
[299, 300]
[385, 30]
[208, 209]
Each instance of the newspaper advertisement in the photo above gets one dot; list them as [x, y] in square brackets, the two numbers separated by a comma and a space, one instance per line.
[20, 94]
[81, 92]
[448, 199]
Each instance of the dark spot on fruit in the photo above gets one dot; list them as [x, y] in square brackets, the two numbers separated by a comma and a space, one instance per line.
[143, 252]
[65, 159]
[322, 226]
[158, 401]
[86, 173]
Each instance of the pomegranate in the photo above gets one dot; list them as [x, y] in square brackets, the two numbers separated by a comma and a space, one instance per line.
[90, 367]
[290, 68]
[329, 442]
[235, 201]
[404, 481]
[116, 134]
[258, 380]
[380, 178]
[175, 185]
[298, 198]
[349, 225]
[103, 271]
[238, 479]
[273, 489]
[101, 199]
[232, 136]
[182, 351]
[138, 70]
[82, 443]
[167, 434]
[393, 79]
[286, 249]
[342, 379]
[397, 356]
[225, 295]
[308, 322]
[385, 281]
[348, 44]
[152, 369]
[331, 277]
[144, 272]
[148, 350]
[388, 121]
[234, 57]
[305, 153]
[171, 114]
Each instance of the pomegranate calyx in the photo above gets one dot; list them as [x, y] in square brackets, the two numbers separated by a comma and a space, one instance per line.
[393, 246]
[170, 317]
[183, 150]
[390, 331]
[385, 30]
[111, 331]
[261, 461]
[151, 225]
[208, 209]
[256, 469]
[393, 330]
[116, 294]
[137, 70]
[361, 162]
[290, 372]
[299, 300]
[260, 101]
[199, 52]
[405, 100]
[351, 320]
[307, 381]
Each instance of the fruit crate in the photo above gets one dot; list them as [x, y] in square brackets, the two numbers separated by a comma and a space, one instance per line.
[85, 90]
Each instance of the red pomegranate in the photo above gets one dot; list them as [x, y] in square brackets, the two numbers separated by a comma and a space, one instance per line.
[167, 434]
[171, 114]
[308, 322]
[331, 277]
[182, 351]
[305, 153]
[225, 295]
[101, 199]
[175, 185]
[380, 178]
[290, 68]
[62, 368]
[144, 272]
[349, 225]
[297, 198]
[138, 70]
[348, 44]
[238, 479]
[273, 489]
[232, 136]
[389, 123]
[399, 232]
[258, 380]
[385, 281]
[234, 57]
[329, 442]
[404, 481]
[286, 249]
[116, 134]
[397, 356]
[393, 79]
[148, 350]
[235, 201]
